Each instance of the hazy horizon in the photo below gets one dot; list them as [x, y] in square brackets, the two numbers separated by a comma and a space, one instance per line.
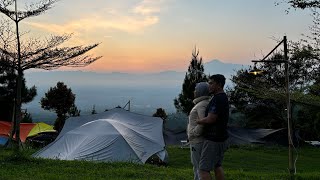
[147, 92]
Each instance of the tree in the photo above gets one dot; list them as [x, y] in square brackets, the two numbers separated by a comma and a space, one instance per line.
[7, 93]
[246, 98]
[308, 116]
[34, 53]
[195, 74]
[303, 4]
[161, 113]
[256, 96]
[59, 99]
[26, 117]
[93, 110]
[8, 76]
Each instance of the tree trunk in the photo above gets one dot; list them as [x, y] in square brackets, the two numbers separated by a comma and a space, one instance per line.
[19, 84]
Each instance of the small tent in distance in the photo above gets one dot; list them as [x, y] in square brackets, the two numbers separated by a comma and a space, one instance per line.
[27, 131]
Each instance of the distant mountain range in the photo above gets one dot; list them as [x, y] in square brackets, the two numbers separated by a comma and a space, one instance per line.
[85, 78]
[147, 92]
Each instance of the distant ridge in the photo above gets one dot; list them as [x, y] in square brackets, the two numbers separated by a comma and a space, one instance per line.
[147, 92]
[218, 67]
[106, 79]
[212, 67]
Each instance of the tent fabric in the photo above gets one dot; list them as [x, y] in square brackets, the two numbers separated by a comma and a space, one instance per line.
[26, 129]
[115, 135]
[5, 128]
[174, 138]
[242, 136]
[237, 136]
[40, 128]
[3, 140]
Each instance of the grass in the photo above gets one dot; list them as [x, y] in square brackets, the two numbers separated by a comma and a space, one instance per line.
[246, 162]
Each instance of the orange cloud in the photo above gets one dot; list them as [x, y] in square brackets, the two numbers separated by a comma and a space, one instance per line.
[141, 16]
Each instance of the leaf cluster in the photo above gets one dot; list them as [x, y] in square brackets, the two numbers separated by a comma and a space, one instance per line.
[160, 113]
[8, 91]
[58, 99]
[31, 10]
[303, 4]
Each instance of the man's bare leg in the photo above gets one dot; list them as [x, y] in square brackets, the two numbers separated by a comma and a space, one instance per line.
[219, 173]
[205, 175]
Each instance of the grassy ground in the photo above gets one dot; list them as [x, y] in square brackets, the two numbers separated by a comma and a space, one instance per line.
[254, 162]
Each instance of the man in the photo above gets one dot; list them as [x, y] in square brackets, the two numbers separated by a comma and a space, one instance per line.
[215, 130]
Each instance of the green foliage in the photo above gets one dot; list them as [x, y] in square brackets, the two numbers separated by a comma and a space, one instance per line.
[17, 156]
[248, 96]
[8, 89]
[262, 98]
[303, 4]
[26, 118]
[308, 116]
[240, 163]
[59, 99]
[308, 121]
[315, 88]
[195, 74]
[74, 111]
[161, 113]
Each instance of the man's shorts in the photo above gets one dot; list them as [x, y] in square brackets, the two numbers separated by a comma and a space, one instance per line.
[212, 155]
[195, 150]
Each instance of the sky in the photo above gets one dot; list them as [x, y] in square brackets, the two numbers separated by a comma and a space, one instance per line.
[138, 36]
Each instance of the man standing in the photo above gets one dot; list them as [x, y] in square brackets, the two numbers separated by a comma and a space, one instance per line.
[215, 130]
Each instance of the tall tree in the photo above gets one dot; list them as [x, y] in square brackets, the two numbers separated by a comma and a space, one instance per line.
[59, 99]
[47, 54]
[8, 77]
[195, 74]
[258, 96]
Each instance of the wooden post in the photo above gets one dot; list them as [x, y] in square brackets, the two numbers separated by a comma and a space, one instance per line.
[290, 133]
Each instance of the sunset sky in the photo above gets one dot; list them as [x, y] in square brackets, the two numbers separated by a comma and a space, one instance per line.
[159, 35]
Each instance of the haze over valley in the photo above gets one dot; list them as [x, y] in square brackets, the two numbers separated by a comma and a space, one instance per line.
[146, 92]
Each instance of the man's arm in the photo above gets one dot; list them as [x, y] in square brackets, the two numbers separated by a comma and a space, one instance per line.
[198, 129]
[211, 118]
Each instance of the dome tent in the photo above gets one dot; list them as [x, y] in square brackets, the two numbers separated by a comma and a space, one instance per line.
[115, 135]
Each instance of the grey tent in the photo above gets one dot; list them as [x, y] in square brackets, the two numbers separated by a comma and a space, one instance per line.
[115, 135]
[242, 136]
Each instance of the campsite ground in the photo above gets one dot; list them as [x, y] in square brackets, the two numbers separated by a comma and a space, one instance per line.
[245, 162]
